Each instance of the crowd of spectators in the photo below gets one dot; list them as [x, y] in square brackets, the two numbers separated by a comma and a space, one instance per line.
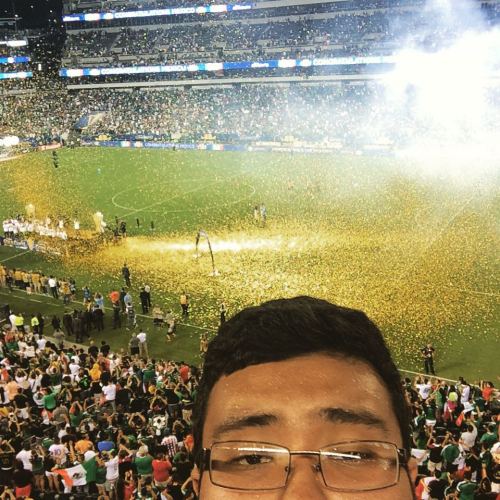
[344, 32]
[455, 438]
[93, 423]
[349, 34]
[11, 35]
[82, 420]
[240, 113]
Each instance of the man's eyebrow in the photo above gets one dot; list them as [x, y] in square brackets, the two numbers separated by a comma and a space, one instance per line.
[240, 423]
[359, 417]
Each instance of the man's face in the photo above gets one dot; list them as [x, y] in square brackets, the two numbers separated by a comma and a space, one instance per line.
[295, 404]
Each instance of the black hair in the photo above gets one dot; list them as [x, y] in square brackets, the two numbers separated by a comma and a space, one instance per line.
[286, 328]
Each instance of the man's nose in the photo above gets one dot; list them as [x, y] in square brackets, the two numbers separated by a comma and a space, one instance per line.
[304, 480]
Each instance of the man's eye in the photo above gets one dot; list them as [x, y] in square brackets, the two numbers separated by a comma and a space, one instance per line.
[253, 460]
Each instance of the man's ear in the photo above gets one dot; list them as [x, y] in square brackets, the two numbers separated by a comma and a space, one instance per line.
[195, 477]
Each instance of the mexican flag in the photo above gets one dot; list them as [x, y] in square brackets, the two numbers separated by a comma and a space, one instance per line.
[72, 476]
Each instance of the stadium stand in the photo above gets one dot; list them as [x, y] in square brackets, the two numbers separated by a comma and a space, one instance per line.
[233, 115]
[85, 410]
[70, 412]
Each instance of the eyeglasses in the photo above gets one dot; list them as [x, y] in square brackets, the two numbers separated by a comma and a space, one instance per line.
[346, 466]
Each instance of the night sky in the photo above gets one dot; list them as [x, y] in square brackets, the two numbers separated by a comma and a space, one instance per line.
[34, 13]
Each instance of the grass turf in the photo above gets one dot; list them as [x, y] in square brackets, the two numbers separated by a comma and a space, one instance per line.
[418, 255]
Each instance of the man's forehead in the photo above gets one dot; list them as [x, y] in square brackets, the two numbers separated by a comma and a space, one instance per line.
[310, 370]
[305, 379]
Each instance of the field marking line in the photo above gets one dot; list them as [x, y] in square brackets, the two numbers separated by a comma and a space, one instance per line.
[475, 292]
[133, 188]
[163, 201]
[230, 204]
[431, 240]
[193, 210]
[213, 329]
[26, 297]
[9, 158]
[179, 195]
[465, 290]
[426, 375]
[15, 256]
[120, 193]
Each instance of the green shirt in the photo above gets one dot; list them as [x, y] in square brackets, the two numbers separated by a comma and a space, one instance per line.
[439, 398]
[100, 475]
[47, 443]
[450, 453]
[430, 413]
[466, 490]
[489, 439]
[37, 463]
[49, 401]
[90, 467]
[12, 346]
[144, 465]
[148, 375]
[76, 419]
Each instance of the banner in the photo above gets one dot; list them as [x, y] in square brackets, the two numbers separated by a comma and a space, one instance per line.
[172, 11]
[231, 65]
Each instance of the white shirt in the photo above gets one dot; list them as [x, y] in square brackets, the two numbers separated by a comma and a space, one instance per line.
[58, 451]
[25, 457]
[468, 439]
[464, 397]
[41, 343]
[424, 390]
[426, 481]
[109, 392]
[142, 337]
[12, 319]
[74, 368]
[112, 469]
[52, 283]
[29, 350]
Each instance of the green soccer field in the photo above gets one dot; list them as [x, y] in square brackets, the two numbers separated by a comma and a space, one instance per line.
[419, 255]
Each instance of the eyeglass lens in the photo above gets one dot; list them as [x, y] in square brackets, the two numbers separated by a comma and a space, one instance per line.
[358, 466]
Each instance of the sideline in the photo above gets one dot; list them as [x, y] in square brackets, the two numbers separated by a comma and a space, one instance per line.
[183, 324]
[30, 299]
[427, 375]
[15, 256]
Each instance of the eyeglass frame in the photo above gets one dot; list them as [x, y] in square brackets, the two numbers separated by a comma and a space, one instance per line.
[402, 455]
